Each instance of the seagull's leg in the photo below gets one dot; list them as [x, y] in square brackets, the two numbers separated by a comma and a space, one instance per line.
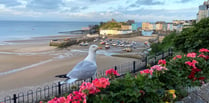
[95, 75]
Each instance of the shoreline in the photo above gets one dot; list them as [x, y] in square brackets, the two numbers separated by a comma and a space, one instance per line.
[24, 54]
[43, 38]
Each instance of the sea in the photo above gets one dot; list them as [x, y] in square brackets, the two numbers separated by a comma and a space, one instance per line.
[23, 30]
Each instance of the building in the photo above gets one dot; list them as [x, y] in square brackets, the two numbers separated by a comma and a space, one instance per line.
[146, 26]
[114, 28]
[169, 27]
[108, 32]
[153, 26]
[134, 27]
[126, 27]
[160, 25]
[178, 22]
[203, 11]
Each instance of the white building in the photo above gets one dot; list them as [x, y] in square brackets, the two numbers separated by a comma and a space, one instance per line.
[203, 11]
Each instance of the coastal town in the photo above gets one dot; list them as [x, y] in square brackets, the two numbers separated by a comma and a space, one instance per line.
[138, 54]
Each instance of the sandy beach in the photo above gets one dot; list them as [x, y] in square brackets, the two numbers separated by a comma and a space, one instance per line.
[31, 63]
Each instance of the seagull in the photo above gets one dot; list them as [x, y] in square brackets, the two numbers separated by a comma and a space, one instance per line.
[84, 69]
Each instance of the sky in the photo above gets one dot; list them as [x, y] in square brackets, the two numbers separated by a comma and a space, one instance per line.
[99, 10]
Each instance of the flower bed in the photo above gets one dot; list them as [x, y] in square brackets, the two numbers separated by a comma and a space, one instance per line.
[166, 82]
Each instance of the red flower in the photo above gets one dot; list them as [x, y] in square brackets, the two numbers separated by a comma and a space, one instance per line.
[192, 55]
[203, 50]
[142, 92]
[191, 75]
[201, 78]
[101, 83]
[194, 79]
[196, 70]
[207, 57]
[162, 62]
[111, 72]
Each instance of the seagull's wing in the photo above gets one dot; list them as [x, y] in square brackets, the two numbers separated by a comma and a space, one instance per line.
[83, 70]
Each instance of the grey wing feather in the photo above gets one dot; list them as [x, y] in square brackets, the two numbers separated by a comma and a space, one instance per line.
[83, 70]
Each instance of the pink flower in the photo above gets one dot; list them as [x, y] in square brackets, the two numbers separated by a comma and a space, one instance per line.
[192, 55]
[111, 72]
[58, 100]
[101, 83]
[88, 88]
[150, 71]
[76, 97]
[177, 56]
[203, 56]
[162, 62]
[191, 64]
[141, 72]
[146, 71]
[203, 50]
[158, 68]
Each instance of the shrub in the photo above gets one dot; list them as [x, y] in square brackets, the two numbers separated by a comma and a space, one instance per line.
[165, 82]
[194, 38]
[167, 42]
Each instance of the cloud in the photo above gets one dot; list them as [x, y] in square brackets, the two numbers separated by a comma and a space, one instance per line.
[44, 4]
[74, 9]
[98, 10]
[10, 3]
[139, 3]
[149, 2]
[184, 1]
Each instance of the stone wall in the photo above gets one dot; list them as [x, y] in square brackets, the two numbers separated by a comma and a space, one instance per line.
[69, 42]
[125, 35]
[200, 95]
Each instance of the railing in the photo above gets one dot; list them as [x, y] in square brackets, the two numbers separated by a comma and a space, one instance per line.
[56, 89]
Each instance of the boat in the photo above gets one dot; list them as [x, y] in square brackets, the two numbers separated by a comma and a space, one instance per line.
[84, 44]
[102, 43]
[107, 46]
[127, 49]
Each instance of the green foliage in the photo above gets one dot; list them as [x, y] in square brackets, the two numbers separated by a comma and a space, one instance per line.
[194, 38]
[111, 25]
[138, 89]
[190, 39]
[167, 42]
[154, 89]
[177, 75]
